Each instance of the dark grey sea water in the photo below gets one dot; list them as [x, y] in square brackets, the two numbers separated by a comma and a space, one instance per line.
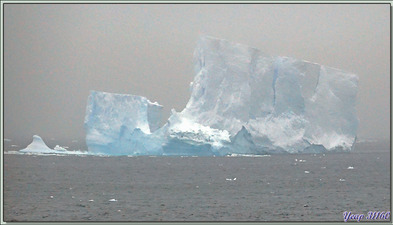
[276, 188]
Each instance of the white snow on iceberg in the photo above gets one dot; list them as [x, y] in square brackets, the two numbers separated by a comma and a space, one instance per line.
[242, 102]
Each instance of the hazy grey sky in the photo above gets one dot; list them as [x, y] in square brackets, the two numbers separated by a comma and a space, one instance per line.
[55, 53]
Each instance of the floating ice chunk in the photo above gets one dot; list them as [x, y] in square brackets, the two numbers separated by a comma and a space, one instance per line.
[59, 148]
[12, 153]
[246, 155]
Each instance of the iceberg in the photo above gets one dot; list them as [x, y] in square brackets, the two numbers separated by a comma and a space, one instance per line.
[242, 101]
[37, 146]
[122, 124]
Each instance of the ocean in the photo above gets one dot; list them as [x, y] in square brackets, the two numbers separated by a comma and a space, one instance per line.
[306, 187]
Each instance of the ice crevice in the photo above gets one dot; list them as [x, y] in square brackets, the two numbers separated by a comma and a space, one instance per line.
[275, 75]
[316, 85]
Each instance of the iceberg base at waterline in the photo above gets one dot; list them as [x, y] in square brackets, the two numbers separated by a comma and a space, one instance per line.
[242, 102]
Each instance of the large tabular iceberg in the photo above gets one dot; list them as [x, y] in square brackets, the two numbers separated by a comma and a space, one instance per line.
[242, 102]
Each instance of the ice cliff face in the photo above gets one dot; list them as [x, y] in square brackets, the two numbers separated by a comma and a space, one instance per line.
[285, 104]
[121, 124]
[242, 101]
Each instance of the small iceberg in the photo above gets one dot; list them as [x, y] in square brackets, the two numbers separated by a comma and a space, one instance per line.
[60, 148]
[37, 146]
